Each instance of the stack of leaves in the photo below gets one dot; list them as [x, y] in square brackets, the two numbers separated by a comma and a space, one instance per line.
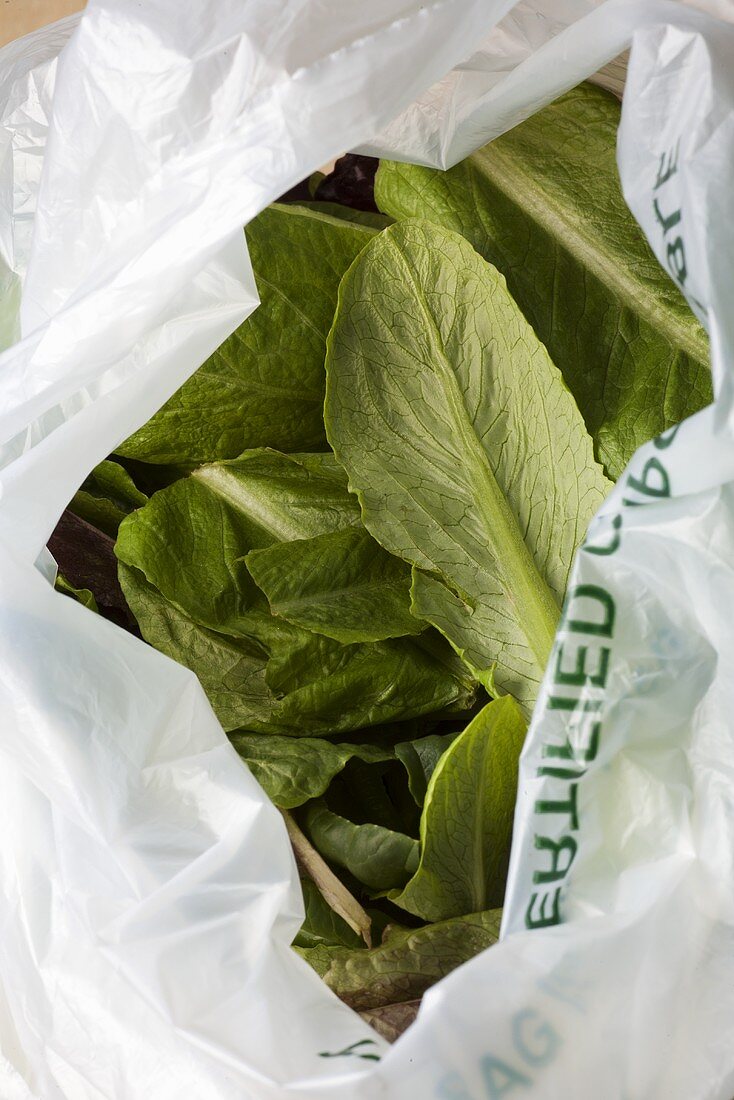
[356, 521]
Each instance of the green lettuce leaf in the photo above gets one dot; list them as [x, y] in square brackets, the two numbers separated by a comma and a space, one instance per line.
[317, 691]
[467, 451]
[106, 497]
[341, 584]
[81, 595]
[322, 925]
[378, 857]
[265, 385]
[292, 771]
[149, 477]
[191, 539]
[420, 759]
[231, 670]
[313, 183]
[328, 688]
[543, 203]
[187, 548]
[409, 960]
[466, 825]
[369, 218]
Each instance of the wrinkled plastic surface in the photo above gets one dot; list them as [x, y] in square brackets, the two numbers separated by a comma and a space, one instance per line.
[147, 891]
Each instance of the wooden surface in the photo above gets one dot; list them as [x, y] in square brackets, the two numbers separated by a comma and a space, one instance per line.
[18, 17]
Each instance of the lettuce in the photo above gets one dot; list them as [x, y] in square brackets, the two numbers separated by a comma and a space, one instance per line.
[364, 507]
[543, 203]
[469, 456]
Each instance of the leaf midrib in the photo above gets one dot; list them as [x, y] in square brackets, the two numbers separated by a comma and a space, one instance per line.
[524, 588]
[296, 309]
[230, 489]
[508, 174]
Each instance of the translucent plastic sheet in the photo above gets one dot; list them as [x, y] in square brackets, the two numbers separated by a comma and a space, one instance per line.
[147, 891]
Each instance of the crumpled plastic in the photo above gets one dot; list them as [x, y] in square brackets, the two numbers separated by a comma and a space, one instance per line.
[148, 894]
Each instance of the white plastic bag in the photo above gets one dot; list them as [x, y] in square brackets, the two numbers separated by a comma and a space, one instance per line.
[148, 893]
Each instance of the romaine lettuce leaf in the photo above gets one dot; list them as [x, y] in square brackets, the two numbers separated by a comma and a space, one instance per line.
[544, 204]
[265, 385]
[292, 771]
[464, 445]
[378, 857]
[322, 925]
[188, 585]
[106, 497]
[466, 824]
[420, 758]
[406, 963]
[341, 584]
